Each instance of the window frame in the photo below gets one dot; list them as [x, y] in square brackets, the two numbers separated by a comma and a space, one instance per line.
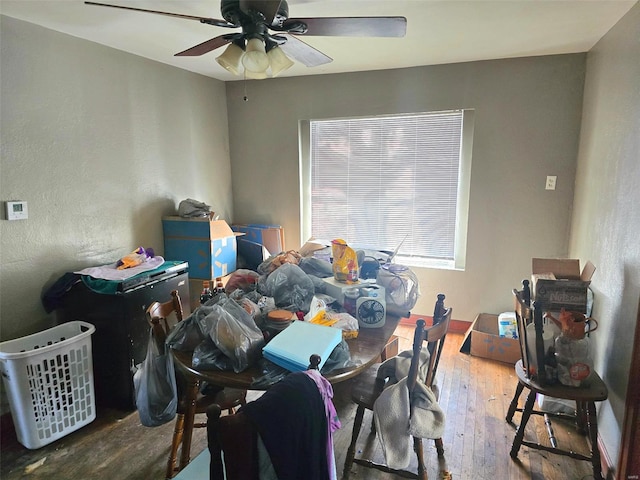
[463, 189]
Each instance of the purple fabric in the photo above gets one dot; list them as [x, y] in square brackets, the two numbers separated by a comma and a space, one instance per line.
[333, 422]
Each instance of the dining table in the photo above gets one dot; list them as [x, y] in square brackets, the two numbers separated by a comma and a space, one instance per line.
[364, 350]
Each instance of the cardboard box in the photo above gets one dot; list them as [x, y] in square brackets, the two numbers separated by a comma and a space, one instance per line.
[558, 283]
[312, 245]
[390, 349]
[336, 289]
[269, 236]
[482, 340]
[208, 245]
[251, 254]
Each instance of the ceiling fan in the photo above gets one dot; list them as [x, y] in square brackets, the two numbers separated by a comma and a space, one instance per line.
[258, 49]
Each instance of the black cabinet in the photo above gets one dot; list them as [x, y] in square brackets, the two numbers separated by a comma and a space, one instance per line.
[122, 331]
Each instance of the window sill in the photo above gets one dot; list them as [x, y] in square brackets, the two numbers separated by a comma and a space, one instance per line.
[426, 263]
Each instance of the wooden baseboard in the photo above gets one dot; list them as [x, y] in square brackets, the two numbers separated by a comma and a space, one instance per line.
[455, 326]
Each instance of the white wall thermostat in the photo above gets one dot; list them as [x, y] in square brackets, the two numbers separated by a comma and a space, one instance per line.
[16, 210]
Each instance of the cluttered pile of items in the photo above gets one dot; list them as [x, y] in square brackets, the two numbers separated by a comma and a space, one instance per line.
[294, 303]
[260, 314]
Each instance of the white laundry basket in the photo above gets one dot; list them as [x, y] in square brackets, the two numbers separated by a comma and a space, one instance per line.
[48, 377]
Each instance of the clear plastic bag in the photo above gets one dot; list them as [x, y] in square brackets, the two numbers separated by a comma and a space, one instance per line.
[209, 357]
[242, 279]
[340, 358]
[401, 286]
[316, 266]
[235, 333]
[155, 386]
[188, 334]
[290, 287]
[270, 374]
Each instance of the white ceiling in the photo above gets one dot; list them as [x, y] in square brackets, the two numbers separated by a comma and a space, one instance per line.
[447, 31]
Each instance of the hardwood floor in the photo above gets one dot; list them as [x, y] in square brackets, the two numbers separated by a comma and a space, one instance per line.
[474, 394]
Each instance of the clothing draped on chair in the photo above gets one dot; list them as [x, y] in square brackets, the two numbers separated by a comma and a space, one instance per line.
[402, 395]
[399, 418]
[396, 368]
[294, 419]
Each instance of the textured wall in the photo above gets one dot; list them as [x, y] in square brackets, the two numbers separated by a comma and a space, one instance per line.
[527, 121]
[606, 219]
[101, 144]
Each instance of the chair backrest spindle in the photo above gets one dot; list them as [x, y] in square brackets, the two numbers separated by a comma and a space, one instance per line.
[158, 315]
[435, 337]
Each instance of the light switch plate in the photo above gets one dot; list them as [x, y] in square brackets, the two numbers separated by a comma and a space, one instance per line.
[16, 210]
[551, 182]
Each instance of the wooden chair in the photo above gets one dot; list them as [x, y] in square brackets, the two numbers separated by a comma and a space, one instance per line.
[161, 318]
[368, 388]
[235, 437]
[532, 374]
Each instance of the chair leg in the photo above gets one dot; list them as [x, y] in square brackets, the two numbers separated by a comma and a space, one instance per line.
[514, 402]
[351, 452]
[216, 467]
[439, 447]
[189, 416]
[175, 443]
[417, 447]
[526, 413]
[592, 424]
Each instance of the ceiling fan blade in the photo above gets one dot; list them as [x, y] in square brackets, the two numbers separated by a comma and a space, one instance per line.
[351, 26]
[304, 53]
[268, 8]
[208, 21]
[205, 47]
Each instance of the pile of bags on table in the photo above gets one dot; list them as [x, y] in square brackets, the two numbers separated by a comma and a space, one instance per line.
[228, 331]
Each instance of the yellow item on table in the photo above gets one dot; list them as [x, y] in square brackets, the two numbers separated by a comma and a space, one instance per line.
[321, 319]
[345, 262]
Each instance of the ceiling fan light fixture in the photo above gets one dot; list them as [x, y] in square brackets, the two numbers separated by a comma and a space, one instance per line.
[231, 58]
[249, 75]
[255, 57]
[279, 61]
[255, 50]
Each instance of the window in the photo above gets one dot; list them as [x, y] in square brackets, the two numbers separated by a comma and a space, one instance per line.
[379, 182]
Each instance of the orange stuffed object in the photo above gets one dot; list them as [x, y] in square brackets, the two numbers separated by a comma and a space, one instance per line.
[135, 258]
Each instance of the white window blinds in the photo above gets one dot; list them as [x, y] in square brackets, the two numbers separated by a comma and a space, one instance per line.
[375, 181]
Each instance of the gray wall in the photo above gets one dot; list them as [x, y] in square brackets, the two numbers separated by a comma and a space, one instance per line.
[101, 144]
[606, 219]
[527, 123]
